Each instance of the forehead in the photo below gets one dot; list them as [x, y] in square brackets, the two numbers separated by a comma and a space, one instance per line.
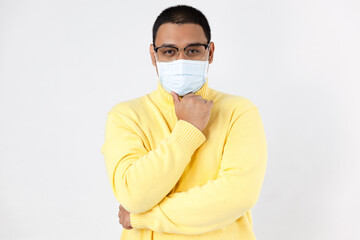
[180, 34]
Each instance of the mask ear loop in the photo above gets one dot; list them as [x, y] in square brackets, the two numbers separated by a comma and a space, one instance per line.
[157, 61]
[207, 59]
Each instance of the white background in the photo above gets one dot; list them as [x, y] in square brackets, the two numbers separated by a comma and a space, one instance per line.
[64, 64]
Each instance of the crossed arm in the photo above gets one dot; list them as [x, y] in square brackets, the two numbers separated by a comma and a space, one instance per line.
[221, 201]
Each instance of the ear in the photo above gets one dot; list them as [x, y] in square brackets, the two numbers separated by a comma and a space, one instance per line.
[151, 50]
[211, 53]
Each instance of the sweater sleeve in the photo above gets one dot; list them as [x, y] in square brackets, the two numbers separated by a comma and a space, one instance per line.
[223, 200]
[136, 174]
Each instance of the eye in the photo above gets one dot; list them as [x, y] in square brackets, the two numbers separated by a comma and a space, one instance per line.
[168, 51]
[193, 51]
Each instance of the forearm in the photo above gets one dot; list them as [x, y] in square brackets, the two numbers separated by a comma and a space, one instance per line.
[221, 201]
[205, 208]
[140, 180]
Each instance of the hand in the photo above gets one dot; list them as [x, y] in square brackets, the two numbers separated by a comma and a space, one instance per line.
[193, 109]
[124, 218]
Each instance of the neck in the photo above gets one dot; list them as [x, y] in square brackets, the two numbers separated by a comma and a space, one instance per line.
[165, 100]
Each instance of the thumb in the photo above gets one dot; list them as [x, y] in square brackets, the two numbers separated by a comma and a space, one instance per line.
[175, 97]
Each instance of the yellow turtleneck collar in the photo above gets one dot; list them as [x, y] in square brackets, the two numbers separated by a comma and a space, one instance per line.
[165, 100]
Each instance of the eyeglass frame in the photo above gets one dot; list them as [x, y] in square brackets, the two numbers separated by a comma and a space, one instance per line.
[178, 49]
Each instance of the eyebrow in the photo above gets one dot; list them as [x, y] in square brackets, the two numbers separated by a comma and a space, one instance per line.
[173, 45]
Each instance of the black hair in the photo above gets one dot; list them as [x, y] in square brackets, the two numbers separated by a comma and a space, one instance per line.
[182, 14]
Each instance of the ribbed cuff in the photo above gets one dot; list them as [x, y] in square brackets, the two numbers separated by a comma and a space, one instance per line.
[146, 220]
[139, 222]
[188, 135]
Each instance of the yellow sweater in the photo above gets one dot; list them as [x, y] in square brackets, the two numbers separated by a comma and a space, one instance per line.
[178, 182]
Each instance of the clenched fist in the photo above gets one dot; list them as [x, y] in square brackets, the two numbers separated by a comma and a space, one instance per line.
[124, 218]
[193, 109]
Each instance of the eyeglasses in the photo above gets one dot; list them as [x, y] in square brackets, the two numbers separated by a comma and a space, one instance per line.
[193, 52]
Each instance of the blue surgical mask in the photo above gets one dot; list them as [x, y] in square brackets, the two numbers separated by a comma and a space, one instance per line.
[182, 76]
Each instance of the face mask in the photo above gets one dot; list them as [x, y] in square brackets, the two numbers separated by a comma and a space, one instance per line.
[182, 76]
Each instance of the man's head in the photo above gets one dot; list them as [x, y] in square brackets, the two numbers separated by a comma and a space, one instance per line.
[182, 14]
[181, 26]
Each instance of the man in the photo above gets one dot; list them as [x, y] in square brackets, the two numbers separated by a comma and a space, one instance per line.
[185, 161]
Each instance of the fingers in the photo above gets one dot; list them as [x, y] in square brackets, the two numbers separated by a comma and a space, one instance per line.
[124, 218]
[175, 97]
[120, 215]
[190, 94]
[208, 103]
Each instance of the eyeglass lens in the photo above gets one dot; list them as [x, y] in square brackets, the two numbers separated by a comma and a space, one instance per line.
[193, 52]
